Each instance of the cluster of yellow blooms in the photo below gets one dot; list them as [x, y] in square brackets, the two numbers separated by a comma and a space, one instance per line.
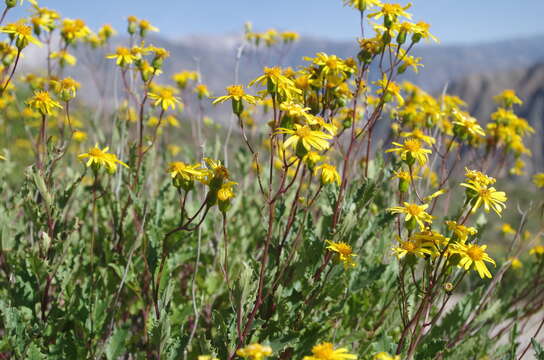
[269, 37]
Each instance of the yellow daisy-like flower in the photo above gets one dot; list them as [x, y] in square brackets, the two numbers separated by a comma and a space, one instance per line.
[42, 102]
[307, 137]
[466, 125]
[254, 352]
[508, 98]
[123, 56]
[64, 57]
[411, 151]
[275, 81]
[461, 231]
[538, 180]
[329, 174]
[489, 197]
[479, 177]
[415, 212]
[165, 98]
[414, 246]
[537, 250]
[344, 251]
[515, 263]
[21, 33]
[235, 92]
[99, 158]
[225, 192]
[420, 135]
[326, 351]
[185, 171]
[474, 256]
[507, 229]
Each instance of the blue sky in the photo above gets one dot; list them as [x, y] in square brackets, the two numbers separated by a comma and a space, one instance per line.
[453, 21]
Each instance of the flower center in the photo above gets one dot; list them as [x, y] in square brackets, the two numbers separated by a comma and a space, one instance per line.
[409, 246]
[95, 152]
[413, 209]
[344, 249]
[303, 132]
[475, 253]
[235, 90]
[412, 145]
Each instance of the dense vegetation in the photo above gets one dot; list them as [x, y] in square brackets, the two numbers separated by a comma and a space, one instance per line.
[149, 232]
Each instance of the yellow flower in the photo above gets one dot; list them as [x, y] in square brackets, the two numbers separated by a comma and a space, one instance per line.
[254, 352]
[326, 351]
[461, 231]
[478, 177]
[515, 263]
[42, 102]
[385, 356]
[186, 172]
[538, 180]
[275, 81]
[308, 138]
[329, 174]
[164, 96]
[21, 33]
[202, 91]
[420, 135]
[391, 12]
[466, 125]
[236, 94]
[79, 136]
[414, 245]
[182, 78]
[421, 31]
[362, 5]
[411, 151]
[73, 29]
[225, 192]
[508, 98]
[123, 56]
[206, 357]
[344, 251]
[98, 158]
[413, 212]
[146, 26]
[66, 88]
[490, 197]
[537, 250]
[64, 58]
[507, 229]
[474, 256]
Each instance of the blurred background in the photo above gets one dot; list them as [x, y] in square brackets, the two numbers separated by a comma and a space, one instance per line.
[485, 45]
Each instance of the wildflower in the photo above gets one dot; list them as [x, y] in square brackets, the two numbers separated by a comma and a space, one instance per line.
[306, 138]
[202, 91]
[537, 250]
[474, 256]
[73, 29]
[183, 175]
[311, 159]
[182, 78]
[64, 57]
[404, 179]
[332, 67]
[411, 151]
[515, 263]
[465, 126]
[106, 31]
[123, 56]
[389, 89]
[390, 13]
[508, 98]
[411, 246]
[275, 82]
[236, 94]
[164, 96]
[420, 135]
[421, 31]
[21, 33]
[254, 352]
[42, 102]
[329, 174]
[413, 214]
[385, 356]
[362, 5]
[79, 136]
[507, 229]
[224, 194]
[462, 232]
[66, 88]
[146, 26]
[490, 197]
[326, 351]
[344, 251]
[538, 180]
[98, 158]
[206, 357]
[478, 177]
